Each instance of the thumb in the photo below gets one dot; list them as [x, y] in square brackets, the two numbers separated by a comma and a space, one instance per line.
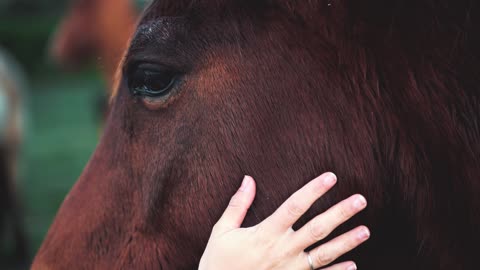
[237, 209]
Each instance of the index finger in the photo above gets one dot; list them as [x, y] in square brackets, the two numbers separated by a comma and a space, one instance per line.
[299, 203]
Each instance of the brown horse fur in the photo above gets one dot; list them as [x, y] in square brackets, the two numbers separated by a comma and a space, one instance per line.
[95, 29]
[384, 93]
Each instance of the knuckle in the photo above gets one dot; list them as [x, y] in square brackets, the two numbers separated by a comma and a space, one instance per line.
[235, 202]
[294, 208]
[216, 228]
[348, 245]
[316, 231]
[265, 241]
[344, 212]
[323, 258]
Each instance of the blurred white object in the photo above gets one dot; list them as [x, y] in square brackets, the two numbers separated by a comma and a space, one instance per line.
[12, 96]
[4, 109]
[12, 89]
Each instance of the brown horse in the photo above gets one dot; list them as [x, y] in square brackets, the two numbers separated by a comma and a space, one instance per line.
[385, 93]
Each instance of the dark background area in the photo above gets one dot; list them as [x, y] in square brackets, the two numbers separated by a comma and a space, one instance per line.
[62, 124]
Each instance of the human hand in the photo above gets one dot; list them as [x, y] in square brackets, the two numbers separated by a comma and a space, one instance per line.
[273, 244]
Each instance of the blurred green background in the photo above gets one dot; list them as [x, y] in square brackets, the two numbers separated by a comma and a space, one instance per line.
[62, 128]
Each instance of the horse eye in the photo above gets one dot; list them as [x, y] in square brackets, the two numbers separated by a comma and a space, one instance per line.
[151, 81]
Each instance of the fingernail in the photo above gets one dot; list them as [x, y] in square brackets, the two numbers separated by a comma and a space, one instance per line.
[364, 234]
[330, 179]
[352, 267]
[360, 202]
[246, 183]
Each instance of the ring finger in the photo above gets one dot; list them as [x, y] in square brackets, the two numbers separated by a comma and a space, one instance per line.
[329, 252]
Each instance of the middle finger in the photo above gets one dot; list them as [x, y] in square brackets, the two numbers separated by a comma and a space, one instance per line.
[321, 226]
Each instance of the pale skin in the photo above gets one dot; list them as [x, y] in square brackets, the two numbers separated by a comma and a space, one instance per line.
[273, 244]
